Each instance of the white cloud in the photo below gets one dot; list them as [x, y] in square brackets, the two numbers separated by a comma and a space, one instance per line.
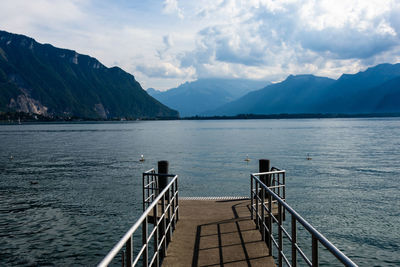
[172, 7]
[164, 70]
[261, 39]
[34, 16]
[282, 37]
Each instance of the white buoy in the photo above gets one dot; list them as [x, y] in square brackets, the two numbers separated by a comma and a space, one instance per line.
[141, 158]
[247, 158]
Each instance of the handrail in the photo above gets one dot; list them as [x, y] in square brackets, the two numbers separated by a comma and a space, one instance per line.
[114, 251]
[268, 173]
[316, 236]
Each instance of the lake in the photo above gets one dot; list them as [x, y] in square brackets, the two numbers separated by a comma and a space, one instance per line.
[68, 192]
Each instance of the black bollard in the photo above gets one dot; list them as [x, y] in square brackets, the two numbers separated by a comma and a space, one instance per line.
[162, 169]
[162, 183]
[264, 166]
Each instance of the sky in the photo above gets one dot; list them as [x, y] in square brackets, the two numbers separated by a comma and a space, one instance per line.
[165, 43]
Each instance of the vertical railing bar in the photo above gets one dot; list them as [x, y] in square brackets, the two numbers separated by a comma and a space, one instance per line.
[129, 250]
[314, 251]
[145, 259]
[251, 197]
[294, 241]
[262, 213]
[164, 225]
[169, 217]
[177, 200]
[270, 224]
[133, 249]
[172, 208]
[277, 183]
[284, 194]
[150, 191]
[154, 187]
[156, 181]
[257, 216]
[123, 258]
[284, 185]
[280, 238]
[143, 191]
[156, 236]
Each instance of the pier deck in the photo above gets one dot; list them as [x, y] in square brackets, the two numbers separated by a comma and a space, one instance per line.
[216, 233]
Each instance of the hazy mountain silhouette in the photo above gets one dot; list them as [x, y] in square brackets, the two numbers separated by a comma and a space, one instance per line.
[375, 90]
[194, 98]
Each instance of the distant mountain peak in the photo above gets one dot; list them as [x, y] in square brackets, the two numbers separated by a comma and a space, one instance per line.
[152, 91]
[376, 89]
[301, 76]
[195, 97]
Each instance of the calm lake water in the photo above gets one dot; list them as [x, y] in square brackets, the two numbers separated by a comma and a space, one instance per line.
[87, 180]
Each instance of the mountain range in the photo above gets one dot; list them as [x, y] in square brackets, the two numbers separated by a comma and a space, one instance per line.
[376, 90]
[202, 95]
[42, 79]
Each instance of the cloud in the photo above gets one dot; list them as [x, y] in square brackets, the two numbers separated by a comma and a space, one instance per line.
[168, 43]
[259, 39]
[167, 40]
[347, 44]
[34, 16]
[171, 7]
[164, 70]
[293, 36]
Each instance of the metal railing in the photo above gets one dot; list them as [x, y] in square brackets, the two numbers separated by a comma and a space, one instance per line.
[157, 223]
[268, 206]
[150, 187]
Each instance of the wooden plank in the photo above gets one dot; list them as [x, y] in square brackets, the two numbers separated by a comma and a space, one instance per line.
[216, 233]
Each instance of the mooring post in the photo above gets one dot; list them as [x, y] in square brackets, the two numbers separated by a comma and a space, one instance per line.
[264, 166]
[162, 183]
[162, 180]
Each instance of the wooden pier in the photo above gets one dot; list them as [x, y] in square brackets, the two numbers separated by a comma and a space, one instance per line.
[216, 233]
[219, 231]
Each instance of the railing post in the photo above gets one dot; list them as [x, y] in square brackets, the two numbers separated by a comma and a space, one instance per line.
[163, 227]
[257, 215]
[156, 236]
[263, 232]
[144, 242]
[269, 225]
[177, 199]
[173, 207]
[294, 241]
[144, 191]
[155, 186]
[169, 233]
[251, 197]
[280, 237]
[314, 251]
[129, 252]
[284, 193]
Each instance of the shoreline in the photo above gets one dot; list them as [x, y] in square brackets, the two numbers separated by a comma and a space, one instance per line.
[20, 117]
